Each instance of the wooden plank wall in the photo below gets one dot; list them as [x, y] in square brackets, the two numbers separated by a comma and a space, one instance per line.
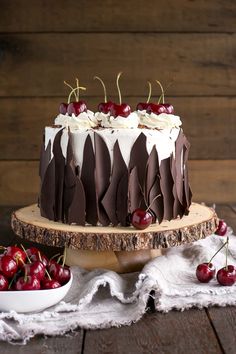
[43, 43]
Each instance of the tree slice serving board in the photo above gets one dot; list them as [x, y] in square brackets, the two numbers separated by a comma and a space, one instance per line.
[121, 249]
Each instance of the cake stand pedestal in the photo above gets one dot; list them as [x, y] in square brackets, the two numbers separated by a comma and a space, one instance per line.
[122, 249]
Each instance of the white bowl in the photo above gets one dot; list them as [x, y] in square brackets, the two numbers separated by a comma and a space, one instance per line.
[32, 300]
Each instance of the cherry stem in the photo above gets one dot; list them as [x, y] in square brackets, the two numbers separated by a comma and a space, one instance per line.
[26, 253]
[157, 196]
[226, 252]
[150, 91]
[104, 87]
[118, 87]
[55, 255]
[64, 257]
[11, 282]
[59, 258]
[66, 83]
[162, 93]
[76, 89]
[224, 244]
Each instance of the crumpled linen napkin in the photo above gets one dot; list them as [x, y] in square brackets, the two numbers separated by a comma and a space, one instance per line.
[102, 299]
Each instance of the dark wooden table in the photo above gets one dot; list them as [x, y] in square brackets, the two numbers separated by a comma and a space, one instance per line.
[205, 331]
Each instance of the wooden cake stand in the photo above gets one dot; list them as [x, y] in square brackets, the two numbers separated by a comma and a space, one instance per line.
[122, 249]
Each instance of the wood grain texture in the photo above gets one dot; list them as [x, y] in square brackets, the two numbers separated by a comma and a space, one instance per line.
[211, 181]
[37, 64]
[118, 15]
[175, 332]
[210, 130]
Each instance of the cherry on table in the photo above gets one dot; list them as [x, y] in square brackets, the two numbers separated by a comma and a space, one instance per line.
[36, 268]
[141, 219]
[105, 107]
[76, 108]
[122, 110]
[30, 282]
[227, 275]
[17, 254]
[50, 284]
[205, 272]
[3, 283]
[63, 108]
[8, 266]
[222, 228]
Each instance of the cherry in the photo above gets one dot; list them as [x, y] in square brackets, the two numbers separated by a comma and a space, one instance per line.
[222, 228]
[8, 266]
[3, 283]
[63, 108]
[76, 108]
[205, 272]
[227, 276]
[17, 254]
[36, 268]
[30, 282]
[156, 108]
[122, 110]
[32, 250]
[105, 107]
[169, 108]
[50, 284]
[142, 106]
[59, 273]
[39, 257]
[141, 219]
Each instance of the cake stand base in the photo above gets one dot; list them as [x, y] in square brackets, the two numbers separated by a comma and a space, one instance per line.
[122, 249]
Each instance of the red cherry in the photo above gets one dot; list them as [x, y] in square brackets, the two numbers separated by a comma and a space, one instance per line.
[32, 250]
[222, 228]
[8, 266]
[3, 283]
[50, 284]
[142, 106]
[37, 269]
[169, 108]
[205, 272]
[122, 110]
[30, 282]
[76, 108]
[36, 257]
[105, 107]
[141, 219]
[17, 254]
[156, 108]
[63, 108]
[227, 276]
[59, 273]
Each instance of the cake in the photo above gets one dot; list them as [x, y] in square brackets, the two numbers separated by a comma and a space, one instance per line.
[98, 168]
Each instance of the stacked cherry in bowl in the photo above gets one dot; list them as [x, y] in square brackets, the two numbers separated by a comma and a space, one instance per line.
[29, 281]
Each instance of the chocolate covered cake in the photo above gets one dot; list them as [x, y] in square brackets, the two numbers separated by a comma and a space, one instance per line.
[98, 168]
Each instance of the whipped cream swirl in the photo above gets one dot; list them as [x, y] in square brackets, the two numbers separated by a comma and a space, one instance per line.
[159, 121]
[132, 121]
[85, 120]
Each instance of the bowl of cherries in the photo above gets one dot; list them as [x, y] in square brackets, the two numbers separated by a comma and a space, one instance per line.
[29, 281]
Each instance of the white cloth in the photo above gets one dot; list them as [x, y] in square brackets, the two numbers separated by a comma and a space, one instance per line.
[102, 299]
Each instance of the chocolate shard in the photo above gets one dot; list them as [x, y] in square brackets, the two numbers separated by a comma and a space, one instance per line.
[135, 195]
[45, 157]
[59, 175]
[138, 158]
[109, 200]
[76, 211]
[178, 208]
[88, 180]
[47, 193]
[102, 175]
[152, 171]
[122, 200]
[187, 190]
[156, 199]
[69, 181]
[166, 183]
[179, 165]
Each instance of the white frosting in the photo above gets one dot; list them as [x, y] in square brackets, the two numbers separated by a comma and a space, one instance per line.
[163, 140]
[85, 120]
[159, 121]
[100, 116]
[132, 121]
